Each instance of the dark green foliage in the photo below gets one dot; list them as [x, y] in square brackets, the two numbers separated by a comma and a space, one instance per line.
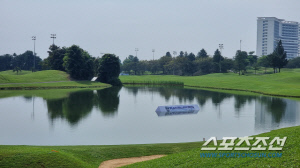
[109, 70]
[55, 58]
[294, 63]
[130, 64]
[164, 61]
[278, 58]
[240, 61]
[217, 56]
[24, 61]
[78, 63]
[17, 69]
[168, 54]
[264, 62]
[281, 55]
[202, 54]
[191, 57]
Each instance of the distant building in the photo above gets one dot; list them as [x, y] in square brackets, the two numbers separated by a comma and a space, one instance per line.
[271, 29]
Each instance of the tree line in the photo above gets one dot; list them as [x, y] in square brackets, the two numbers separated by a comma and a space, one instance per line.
[78, 63]
[82, 66]
[189, 64]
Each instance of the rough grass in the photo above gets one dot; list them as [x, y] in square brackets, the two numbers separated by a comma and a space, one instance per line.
[283, 84]
[179, 154]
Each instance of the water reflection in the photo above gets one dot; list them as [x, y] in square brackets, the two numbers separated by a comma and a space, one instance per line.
[79, 104]
[127, 116]
[276, 107]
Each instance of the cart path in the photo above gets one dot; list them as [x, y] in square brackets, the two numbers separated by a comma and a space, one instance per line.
[126, 161]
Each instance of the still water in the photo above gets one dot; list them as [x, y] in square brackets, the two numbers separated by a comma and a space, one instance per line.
[127, 116]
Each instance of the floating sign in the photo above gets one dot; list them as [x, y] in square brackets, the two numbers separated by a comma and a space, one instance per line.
[177, 110]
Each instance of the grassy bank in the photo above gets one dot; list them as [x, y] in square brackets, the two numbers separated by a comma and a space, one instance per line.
[290, 155]
[284, 84]
[179, 154]
[51, 79]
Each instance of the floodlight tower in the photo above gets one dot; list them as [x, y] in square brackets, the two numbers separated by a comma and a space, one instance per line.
[34, 38]
[136, 50]
[221, 47]
[153, 50]
[53, 36]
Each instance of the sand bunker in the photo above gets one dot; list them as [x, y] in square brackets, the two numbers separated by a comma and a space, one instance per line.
[126, 161]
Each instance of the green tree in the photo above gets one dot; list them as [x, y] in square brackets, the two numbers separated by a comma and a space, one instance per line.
[164, 61]
[109, 70]
[263, 61]
[294, 63]
[240, 61]
[17, 69]
[218, 58]
[202, 54]
[55, 58]
[281, 55]
[78, 63]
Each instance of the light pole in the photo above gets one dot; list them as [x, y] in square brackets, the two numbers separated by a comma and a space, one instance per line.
[136, 50]
[33, 38]
[53, 36]
[174, 55]
[240, 45]
[153, 50]
[221, 48]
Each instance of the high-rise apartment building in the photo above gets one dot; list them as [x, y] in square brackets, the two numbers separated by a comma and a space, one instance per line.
[271, 29]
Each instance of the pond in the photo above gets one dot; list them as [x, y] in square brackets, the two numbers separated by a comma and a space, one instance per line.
[127, 115]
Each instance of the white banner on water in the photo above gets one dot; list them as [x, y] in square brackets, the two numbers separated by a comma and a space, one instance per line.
[177, 109]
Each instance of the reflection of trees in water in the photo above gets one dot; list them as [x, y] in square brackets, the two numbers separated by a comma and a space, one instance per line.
[79, 104]
[184, 95]
[275, 106]
[107, 100]
[240, 102]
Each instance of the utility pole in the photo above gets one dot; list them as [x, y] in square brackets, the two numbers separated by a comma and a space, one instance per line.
[33, 38]
[153, 50]
[53, 36]
[136, 50]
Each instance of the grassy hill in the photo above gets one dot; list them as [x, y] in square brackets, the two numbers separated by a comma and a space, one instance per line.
[285, 83]
[29, 77]
[42, 80]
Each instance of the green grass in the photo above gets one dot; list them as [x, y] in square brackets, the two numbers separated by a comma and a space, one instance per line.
[285, 84]
[179, 154]
[290, 155]
[29, 77]
[28, 80]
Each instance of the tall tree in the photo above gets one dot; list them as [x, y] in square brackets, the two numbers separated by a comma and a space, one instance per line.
[168, 54]
[55, 58]
[281, 55]
[78, 63]
[202, 54]
[240, 60]
[218, 58]
[109, 70]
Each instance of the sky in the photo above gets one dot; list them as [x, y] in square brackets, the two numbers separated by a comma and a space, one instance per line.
[119, 26]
